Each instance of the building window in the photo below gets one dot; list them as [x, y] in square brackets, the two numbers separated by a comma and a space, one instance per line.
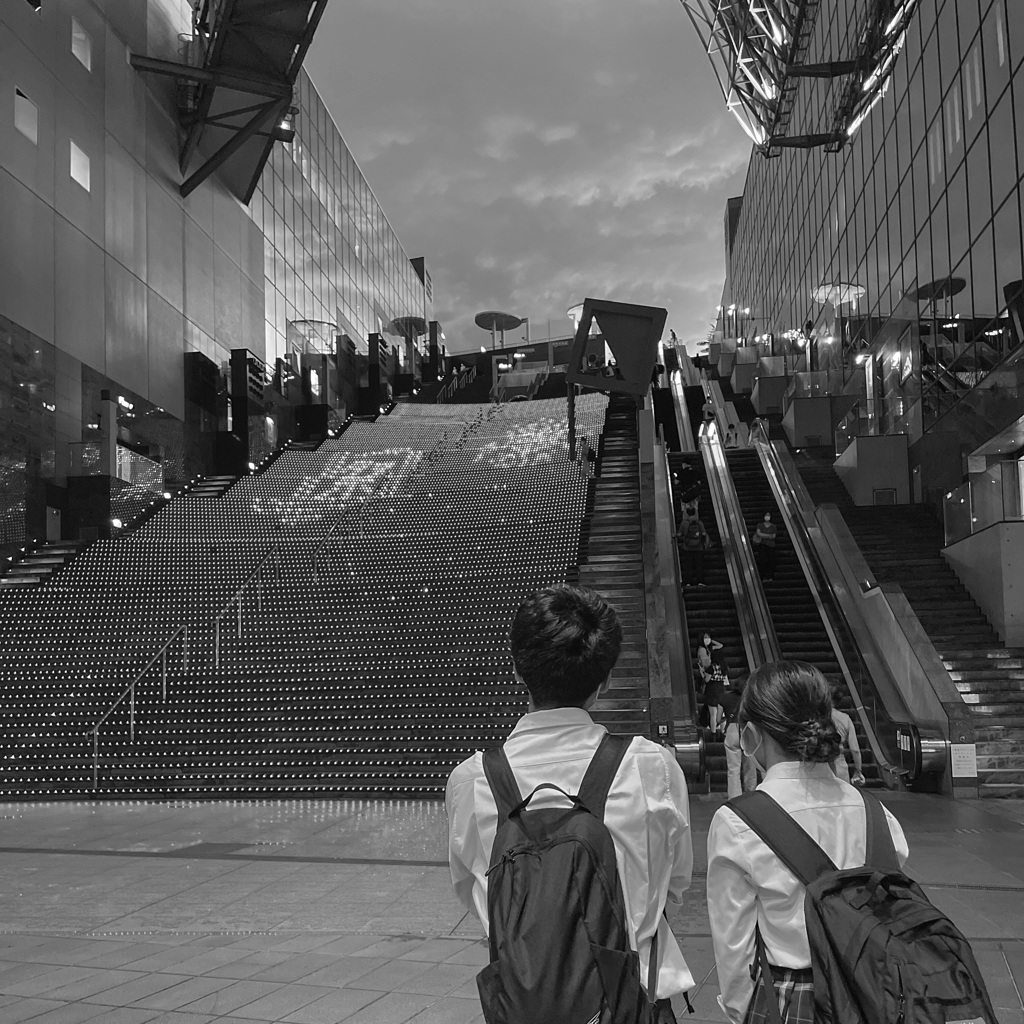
[80, 166]
[26, 117]
[81, 45]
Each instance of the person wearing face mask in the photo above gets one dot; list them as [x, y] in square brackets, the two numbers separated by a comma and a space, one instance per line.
[764, 546]
[786, 728]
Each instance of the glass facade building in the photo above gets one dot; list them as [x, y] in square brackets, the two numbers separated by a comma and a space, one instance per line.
[147, 338]
[901, 252]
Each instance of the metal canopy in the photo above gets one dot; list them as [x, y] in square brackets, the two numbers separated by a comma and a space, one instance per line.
[757, 50]
[235, 85]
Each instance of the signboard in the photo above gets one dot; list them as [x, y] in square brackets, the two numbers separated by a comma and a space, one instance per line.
[964, 760]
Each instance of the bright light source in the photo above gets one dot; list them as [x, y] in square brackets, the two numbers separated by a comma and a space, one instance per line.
[252, 466]
[167, 495]
[116, 523]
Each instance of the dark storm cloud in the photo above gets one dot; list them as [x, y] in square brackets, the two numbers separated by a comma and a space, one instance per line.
[538, 151]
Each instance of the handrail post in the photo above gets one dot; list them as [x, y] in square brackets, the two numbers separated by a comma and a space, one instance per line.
[96, 758]
[131, 716]
[184, 650]
[216, 642]
[240, 616]
[163, 674]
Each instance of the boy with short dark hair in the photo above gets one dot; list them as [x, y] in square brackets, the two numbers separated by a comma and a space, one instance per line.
[565, 642]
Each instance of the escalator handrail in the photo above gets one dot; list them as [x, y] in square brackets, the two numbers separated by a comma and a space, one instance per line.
[689, 683]
[686, 441]
[825, 598]
[759, 639]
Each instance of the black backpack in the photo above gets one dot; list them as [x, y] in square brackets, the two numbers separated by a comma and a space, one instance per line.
[559, 942]
[880, 952]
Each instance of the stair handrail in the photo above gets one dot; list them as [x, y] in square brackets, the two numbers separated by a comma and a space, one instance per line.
[236, 598]
[756, 624]
[129, 692]
[830, 610]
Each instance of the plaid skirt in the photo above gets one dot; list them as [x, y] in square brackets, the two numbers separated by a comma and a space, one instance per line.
[795, 989]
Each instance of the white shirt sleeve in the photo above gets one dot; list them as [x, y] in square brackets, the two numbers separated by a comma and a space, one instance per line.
[463, 838]
[732, 906]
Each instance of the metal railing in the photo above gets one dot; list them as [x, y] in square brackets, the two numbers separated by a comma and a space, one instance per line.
[236, 599]
[458, 381]
[129, 693]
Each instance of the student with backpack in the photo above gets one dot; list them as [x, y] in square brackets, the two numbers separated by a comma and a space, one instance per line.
[567, 842]
[812, 918]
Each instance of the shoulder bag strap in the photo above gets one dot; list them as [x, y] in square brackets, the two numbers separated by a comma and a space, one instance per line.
[879, 848]
[783, 836]
[593, 792]
[502, 782]
[771, 995]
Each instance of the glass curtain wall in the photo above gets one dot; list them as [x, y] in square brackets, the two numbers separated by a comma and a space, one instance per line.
[331, 257]
[904, 248]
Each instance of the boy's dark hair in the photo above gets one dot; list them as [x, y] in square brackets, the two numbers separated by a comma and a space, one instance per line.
[792, 702]
[565, 642]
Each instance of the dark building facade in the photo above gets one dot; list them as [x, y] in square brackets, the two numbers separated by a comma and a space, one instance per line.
[147, 337]
[896, 249]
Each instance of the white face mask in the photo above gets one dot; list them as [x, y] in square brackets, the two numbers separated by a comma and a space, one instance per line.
[750, 743]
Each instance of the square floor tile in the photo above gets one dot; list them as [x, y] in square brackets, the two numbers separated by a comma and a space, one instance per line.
[392, 1008]
[334, 1007]
[393, 975]
[440, 979]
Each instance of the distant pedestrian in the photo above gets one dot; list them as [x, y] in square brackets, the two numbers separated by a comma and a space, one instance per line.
[848, 734]
[732, 438]
[709, 411]
[695, 541]
[755, 424]
[741, 775]
[672, 339]
[764, 546]
[714, 675]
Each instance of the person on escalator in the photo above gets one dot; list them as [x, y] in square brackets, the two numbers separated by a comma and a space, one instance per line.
[695, 541]
[732, 438]
[848, 734]
[714, 675]
[740, 771]
[764, 546]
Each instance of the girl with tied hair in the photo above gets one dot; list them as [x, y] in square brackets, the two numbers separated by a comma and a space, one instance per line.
[786, 727]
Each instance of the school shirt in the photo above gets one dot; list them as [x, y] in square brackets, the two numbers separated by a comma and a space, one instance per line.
[748, 885]
[647, 814]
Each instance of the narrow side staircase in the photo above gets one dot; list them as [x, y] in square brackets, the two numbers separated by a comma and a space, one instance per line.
[611, 562]
[40, 565]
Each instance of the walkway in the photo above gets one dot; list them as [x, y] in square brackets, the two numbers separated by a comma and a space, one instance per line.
[341, 911]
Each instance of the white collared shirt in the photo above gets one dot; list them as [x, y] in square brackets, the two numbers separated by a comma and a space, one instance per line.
[647, 814]
[748, 885]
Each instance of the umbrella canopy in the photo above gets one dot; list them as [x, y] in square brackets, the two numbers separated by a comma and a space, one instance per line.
[493, 320]
[837, 293]
[943, 288]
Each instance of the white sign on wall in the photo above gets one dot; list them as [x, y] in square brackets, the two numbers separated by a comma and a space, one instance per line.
[964, 760]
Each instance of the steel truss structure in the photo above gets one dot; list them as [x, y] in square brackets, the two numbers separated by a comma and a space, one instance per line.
[757, 50]
[235, 85]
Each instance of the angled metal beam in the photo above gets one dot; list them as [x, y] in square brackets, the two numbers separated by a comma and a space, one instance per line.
[234, 144]
[319, 6]
[827, 69]
[255, 84]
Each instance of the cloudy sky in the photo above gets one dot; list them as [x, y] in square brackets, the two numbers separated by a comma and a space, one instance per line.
[539, 151]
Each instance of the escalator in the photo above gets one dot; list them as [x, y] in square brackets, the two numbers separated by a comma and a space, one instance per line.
[711, 609]
[798, 624]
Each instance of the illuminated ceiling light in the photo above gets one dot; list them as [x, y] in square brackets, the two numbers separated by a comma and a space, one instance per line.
[284, 130]
[116, 523]
[861, 359]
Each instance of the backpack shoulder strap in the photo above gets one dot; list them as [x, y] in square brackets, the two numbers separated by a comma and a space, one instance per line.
[593, 793]
[502, 782]
[880, 850]
[783, 836]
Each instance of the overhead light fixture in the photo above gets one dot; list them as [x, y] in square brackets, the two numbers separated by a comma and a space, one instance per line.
[284, 130]
[116, 523]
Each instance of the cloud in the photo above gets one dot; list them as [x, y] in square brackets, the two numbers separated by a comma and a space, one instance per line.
[539, 152]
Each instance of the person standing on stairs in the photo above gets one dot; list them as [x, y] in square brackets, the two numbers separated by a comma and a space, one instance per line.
[764, 547]
[741, 773]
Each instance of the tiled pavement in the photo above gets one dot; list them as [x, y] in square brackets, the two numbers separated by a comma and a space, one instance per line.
[341, 911]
